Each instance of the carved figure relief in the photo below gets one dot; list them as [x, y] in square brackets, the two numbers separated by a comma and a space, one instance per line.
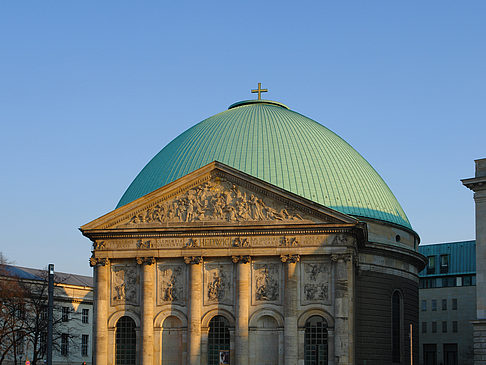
[289, 242]
[343, 240]
[172, 279]
[99, 245]
[241, 242]
[124, 284]
[316, 279]
[215, 200]
[142, 244]
[218, 283]
[266, 282]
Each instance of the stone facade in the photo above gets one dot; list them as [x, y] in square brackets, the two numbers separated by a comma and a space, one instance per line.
[221, 243]
[478, 185]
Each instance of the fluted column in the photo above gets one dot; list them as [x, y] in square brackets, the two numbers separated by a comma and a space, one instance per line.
[148, 273]
[243, 308]
[290, 309]
[195, 304]
[100, 343]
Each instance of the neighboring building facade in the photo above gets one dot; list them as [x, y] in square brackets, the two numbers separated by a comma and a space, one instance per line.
[73, 315]
[256, 237]
[447, 303]
[478, 185]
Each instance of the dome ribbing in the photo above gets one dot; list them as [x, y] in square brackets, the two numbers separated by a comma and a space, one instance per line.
[268, 141]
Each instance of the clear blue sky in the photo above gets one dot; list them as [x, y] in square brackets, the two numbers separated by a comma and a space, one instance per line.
[90, 91]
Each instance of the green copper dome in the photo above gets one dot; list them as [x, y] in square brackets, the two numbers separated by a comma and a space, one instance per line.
[268, 141]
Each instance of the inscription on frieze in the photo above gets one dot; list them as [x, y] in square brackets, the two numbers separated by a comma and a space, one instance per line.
[217, 200]
[316, 278]
[218, 280]
[171, 283]
[266, 282]
[125, 283]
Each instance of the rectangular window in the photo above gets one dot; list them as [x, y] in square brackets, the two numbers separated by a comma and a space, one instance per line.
[444, 264]
[65, 314]
[44, 313]
[444, 326]
[84, 345]
[424, 327]
[434, 305]
[454, 304]
[424, 305]
[43, 342]
[459, 281]
[64, 344]
[454, 326]
[431, 265]
[434, 327]
[467, 280]
[85, 315]
[444, 304]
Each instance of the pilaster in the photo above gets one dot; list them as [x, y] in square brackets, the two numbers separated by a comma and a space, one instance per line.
[290, 308]
[148, 274]
[243, 308]
[100, 343]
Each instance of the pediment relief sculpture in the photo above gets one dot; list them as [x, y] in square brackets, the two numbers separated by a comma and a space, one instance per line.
[218, 200]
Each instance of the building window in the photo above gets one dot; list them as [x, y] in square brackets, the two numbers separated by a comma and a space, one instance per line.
[43, 343]
[454, 304]
[431, 265]
[444, 326]
[84, 345]
[424, 327]
[65, 314]
[64, 344]
[449, 282]
[434, 304]
[454, 326]
[85, 316]
[467, 280]
[125, 342]
[444, 264]
[444, 304]
[218, 340]
[44, 313]
[434, 327]
[315, 339]
[424, 305]
[396, 326]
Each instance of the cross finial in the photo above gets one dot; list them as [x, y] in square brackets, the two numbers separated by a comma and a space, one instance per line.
[259, 91]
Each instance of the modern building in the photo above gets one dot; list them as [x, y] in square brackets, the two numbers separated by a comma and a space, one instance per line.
[478, 185]
[258, 236]
[447, 298]
[73, 316]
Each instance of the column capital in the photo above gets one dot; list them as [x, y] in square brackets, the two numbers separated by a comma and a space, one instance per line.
[291, 259]
[242, 259]
[98, 261]
[341, 257]
[145, 260]
[193, 260]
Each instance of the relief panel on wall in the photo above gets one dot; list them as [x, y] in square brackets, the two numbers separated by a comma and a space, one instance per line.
[316, 279]
[218, 283]
[125, 283]
[171, 284]
[266, 279]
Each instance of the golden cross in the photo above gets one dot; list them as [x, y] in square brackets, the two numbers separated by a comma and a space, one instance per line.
[260, 91]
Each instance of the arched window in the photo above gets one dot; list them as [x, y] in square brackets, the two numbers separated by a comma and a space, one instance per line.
[125, 342]
[315, 339]
[396, 326]
[218, 340]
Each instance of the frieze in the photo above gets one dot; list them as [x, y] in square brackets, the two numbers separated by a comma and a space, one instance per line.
[241, 242]
[171, 283]
[99, 245]
[316, 277]
[266, 282]
[289, 242]
[218, 200]
[125, 283]
[218, 280]
[343, 240]
[144, 244]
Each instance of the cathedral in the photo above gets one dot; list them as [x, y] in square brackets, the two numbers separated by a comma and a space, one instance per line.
[260, 237]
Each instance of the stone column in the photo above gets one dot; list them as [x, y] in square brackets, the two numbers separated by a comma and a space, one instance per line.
[100, 343]
[195, 305]
[148, 273]
[344, 309]
[478, 185]
[290, 309]
[243, 308]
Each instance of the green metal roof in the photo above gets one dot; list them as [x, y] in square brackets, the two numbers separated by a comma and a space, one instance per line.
[267, 140]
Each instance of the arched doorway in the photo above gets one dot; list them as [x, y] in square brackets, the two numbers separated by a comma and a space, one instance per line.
[172, 341]
[218, 340]
[125, 342]
[315, 341]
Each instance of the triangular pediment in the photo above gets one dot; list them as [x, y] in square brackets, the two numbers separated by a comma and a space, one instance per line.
[217, 194]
